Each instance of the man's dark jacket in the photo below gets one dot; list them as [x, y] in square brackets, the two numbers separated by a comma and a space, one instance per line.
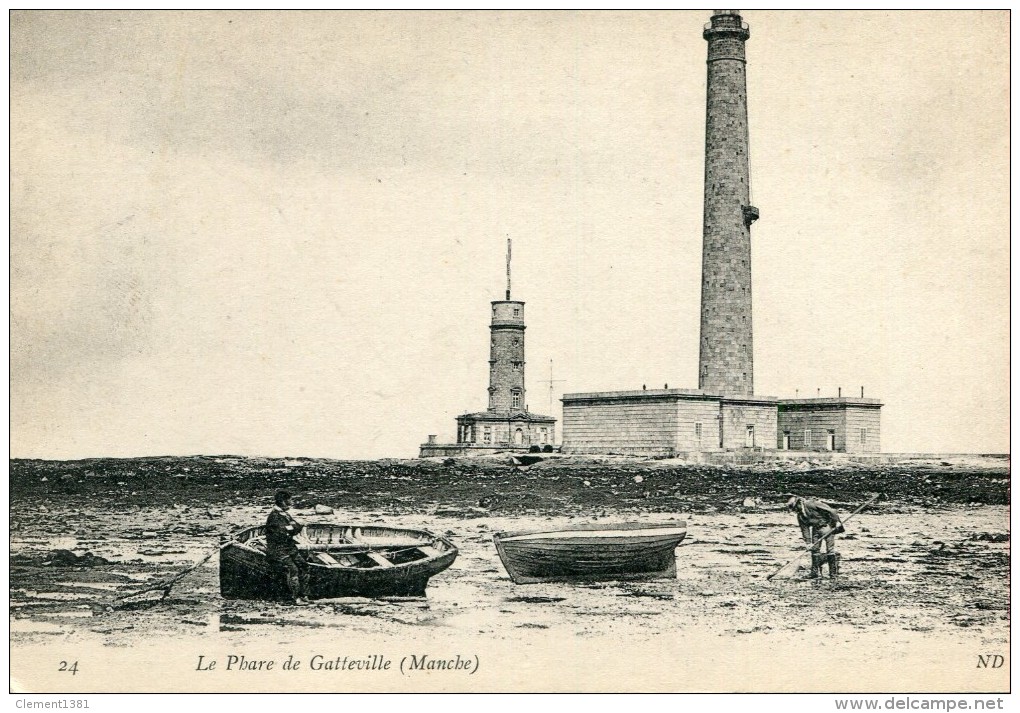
[281, 529]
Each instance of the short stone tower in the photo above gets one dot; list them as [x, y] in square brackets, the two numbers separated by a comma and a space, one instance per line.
[506, 424]
[506, 356]
[726, 364]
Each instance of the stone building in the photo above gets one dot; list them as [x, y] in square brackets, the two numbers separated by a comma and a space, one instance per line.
[847, 424]
[723, 413]
[665, 422]
[506, 424]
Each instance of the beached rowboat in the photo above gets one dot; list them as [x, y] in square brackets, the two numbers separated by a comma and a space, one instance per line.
[343, 561]
[591, 552]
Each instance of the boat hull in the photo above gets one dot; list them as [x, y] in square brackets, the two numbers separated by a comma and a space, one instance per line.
[630, 551]
[362, 561]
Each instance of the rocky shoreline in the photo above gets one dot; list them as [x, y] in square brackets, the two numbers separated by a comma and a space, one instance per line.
[557, 484]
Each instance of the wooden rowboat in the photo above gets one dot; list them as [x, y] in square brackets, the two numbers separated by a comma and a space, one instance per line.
[343, 561]
[591, 552]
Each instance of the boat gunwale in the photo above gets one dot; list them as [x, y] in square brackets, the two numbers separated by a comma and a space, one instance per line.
[432, 565]
[450, 551]
[590, 527]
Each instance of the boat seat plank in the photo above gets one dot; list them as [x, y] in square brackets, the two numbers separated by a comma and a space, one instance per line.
[378, 559]
[327, 560]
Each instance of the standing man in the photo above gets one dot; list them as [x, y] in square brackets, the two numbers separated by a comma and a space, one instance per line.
[818, 523]
[282, 550]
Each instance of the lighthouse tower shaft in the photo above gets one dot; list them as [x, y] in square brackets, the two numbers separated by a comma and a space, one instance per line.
[726, 363]
[506, 357]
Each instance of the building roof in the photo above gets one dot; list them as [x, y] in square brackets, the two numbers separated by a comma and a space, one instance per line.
[829, 402]
[667, 394]
[504, 416]
[641, 393]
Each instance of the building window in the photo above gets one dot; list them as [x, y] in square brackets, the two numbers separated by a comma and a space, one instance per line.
[516, 341]
[807, 437]
[864, 436]
[517, 311]
[697, 431]
[515, 399]
[487, 435]
[750, 437]
[830, 440]
[786, 441]
[545, 434]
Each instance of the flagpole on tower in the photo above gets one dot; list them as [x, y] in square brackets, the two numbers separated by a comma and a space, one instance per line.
[508, 268]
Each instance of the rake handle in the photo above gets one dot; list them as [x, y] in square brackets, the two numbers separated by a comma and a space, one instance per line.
[815, 544]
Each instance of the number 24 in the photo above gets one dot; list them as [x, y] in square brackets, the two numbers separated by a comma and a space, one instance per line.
[71, 668]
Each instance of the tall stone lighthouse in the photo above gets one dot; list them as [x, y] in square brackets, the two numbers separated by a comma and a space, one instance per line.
[723, 413]
[726, 363]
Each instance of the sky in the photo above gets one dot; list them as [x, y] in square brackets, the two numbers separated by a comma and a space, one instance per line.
[278, 234]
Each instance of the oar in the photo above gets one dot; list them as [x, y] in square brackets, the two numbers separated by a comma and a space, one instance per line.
[815, 543]
[166, 585]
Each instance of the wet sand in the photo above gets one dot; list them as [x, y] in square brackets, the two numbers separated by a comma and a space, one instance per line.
[923, 592]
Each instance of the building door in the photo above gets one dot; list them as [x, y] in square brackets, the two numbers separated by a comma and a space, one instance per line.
[750, 437]
[831, 441]
[786, 440]
[519, 437]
